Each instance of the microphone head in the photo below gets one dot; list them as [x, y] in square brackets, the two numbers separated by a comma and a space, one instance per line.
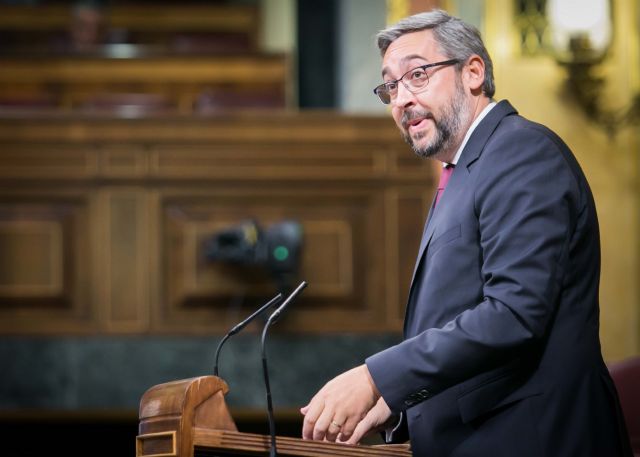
[276, 314]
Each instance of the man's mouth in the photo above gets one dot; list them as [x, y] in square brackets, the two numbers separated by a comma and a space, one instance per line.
[415, 121]
[416, 124]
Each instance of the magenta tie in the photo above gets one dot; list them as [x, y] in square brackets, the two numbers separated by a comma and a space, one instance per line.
[444, 179]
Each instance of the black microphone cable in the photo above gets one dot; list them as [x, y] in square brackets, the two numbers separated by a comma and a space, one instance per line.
[273, 452]
[242, 325]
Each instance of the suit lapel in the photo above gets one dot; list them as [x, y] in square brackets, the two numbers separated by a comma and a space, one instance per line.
[424, 241]
[427, 233]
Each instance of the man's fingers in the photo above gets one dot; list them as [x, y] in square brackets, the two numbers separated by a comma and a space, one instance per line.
[350, 425]
[311, 416]
[345, 400]
[360, 431]
[334, 429]
[322, 424]
[373, 420]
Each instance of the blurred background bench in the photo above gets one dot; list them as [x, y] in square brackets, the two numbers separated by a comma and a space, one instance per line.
[139, 59]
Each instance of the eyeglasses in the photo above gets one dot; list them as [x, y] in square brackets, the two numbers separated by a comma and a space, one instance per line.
[414, 80]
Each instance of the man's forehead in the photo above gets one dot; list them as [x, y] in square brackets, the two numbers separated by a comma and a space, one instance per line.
[403, 62]
[407, 48]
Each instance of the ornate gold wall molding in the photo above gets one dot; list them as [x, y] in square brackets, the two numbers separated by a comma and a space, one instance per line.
[397, 9]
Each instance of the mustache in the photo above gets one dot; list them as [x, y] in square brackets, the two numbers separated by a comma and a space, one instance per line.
[408, 116]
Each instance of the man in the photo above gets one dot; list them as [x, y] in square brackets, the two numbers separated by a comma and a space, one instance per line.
[87, 29]
[501, 355]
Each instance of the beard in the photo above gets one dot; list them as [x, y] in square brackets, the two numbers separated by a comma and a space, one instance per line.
[447, 127]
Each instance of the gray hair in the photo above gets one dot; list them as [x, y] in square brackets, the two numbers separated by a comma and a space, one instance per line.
[456, 39]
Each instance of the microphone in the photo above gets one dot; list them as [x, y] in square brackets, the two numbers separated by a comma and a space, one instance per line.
[242, 325]
[272, 319]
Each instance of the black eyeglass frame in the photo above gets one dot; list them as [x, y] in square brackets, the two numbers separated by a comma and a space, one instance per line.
[399, 80]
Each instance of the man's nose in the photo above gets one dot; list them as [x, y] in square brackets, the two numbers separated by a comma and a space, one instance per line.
[404, 97]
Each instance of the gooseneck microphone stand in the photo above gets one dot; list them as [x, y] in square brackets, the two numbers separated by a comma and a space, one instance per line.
[273, 452]
[242, 325]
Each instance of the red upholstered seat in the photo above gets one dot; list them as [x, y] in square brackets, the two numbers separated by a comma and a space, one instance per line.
[626, 376]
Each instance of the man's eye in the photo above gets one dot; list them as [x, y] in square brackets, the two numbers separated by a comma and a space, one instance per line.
[418, 74]
[391, 86]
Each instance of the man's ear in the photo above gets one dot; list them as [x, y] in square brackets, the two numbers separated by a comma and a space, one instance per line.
[473, 74]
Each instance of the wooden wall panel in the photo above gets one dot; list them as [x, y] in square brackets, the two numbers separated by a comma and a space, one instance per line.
[105, 220]
[125, 298]
[45, 263]
[47, 161]
[406, 212]
[124, 162]
[33, 262]
[341, 243]
[285, 161]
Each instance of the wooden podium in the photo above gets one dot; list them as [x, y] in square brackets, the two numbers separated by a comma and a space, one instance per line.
[189, 417]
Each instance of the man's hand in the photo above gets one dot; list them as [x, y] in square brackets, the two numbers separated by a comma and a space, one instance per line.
[340, 405]
[375, 421]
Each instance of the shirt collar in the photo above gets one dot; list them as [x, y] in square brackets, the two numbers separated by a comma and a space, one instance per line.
[475, 123]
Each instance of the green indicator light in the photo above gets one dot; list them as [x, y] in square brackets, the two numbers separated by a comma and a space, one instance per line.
[281, 253]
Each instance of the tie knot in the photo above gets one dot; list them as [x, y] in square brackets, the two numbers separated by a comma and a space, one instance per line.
[444, 176]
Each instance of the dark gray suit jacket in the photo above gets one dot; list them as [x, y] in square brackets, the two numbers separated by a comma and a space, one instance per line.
[501, 355]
